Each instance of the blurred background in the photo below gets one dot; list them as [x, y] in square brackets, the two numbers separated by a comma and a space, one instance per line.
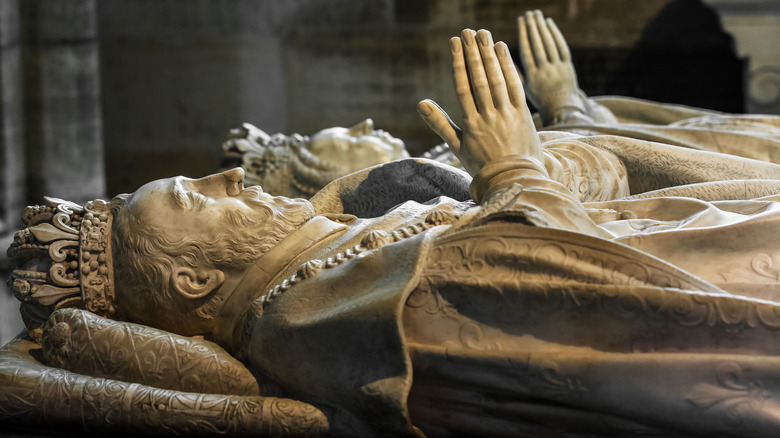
[99, 97]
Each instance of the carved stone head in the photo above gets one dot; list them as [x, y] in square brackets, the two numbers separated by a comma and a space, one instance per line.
[182, 245]
[357, 147]
[166, 255]
[299, 166]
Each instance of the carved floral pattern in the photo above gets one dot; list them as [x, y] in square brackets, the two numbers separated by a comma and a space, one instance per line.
[763, 267]
[735, 394]
[556, 274]
[36, 394]
[85, 343]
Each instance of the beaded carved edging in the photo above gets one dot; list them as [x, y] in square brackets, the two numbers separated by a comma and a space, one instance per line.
[373, 240]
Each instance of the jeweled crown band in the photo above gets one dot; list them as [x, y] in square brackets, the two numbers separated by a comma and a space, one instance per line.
[63, 259]
[97, 268]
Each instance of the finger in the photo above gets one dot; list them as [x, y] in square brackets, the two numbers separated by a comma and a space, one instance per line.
[512, 78]
[461, 78]
[526, 54]
[478, 79]
[540, 56]
[551, 48]
[495, 75]
[563, 48]
[440, 123]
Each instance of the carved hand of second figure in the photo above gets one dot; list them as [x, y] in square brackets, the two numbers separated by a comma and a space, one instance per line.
[550, 80]
[497, 122]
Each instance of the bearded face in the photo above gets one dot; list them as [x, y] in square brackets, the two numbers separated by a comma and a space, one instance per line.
[205, 225]
[253, 234]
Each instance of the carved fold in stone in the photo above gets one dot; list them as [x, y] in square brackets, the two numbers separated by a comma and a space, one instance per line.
[62, 221]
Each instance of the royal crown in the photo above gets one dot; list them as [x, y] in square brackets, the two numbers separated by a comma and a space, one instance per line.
[63, 259]
[281, 164]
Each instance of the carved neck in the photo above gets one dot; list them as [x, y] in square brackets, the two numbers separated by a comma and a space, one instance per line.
[312, 235]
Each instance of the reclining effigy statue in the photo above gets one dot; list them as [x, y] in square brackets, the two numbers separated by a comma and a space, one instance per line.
[299, 166]
[412, 298]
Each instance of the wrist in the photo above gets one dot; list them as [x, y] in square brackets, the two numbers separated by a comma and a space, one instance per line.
[495, 170]
[556, 105]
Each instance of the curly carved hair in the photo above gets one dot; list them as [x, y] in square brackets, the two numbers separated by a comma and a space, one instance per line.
[145, 257]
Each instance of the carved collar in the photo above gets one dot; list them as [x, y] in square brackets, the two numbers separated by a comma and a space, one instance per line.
[313, 234]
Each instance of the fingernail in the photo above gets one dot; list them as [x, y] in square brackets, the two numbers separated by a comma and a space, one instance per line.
[482, 37]
[501, 49]
[424, 108]
[468, 37]
[455, 44]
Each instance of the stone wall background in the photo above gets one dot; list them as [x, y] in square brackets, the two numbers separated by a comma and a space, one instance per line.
[51, 138]
[99, 97]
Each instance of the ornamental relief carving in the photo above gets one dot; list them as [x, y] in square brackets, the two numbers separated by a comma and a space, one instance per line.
[537, 274]
[762, 268]
[734, 394]
[87, 344]
[36, 394]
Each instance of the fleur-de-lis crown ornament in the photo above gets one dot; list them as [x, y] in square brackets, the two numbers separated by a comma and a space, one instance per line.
[63, 259]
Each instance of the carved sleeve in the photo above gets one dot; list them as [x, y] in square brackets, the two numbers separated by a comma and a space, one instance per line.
[31, 393]
[590, 173]
[87, 344]
[579, 109]
[521, 187]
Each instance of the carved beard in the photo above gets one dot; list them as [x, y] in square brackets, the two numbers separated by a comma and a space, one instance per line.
[254, 235]
[251, 236]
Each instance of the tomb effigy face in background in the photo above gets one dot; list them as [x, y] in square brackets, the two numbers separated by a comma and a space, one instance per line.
[302, 67]
[299, 166]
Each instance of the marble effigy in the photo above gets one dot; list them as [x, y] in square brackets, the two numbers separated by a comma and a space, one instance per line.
[551, 287]
[299, 166]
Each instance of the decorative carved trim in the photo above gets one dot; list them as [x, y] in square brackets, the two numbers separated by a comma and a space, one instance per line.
[64, 259]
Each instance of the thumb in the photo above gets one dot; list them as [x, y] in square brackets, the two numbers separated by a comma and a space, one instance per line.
[440, 123]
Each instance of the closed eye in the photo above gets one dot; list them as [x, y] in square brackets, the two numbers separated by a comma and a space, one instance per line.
[198, 201]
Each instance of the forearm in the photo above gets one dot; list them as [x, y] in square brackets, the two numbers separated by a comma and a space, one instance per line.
[35, 394]
[590, 173]
[576, 108]
[521, 185]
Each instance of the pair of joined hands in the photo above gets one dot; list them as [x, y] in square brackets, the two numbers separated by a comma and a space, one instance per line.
[496, 119]
[497, 122]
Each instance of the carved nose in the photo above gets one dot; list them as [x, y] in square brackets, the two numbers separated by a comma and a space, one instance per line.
[234, 175]
[235, 181]
[363, 128]
[229, 182]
